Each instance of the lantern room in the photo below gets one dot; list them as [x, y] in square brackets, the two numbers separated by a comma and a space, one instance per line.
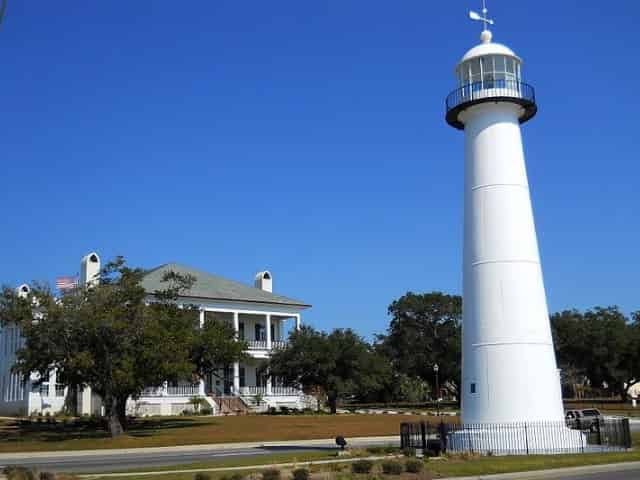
[489, 72]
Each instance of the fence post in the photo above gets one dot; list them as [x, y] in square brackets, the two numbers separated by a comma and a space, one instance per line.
[598, 431]
[626, 433]
[526, 437]
[423, 435]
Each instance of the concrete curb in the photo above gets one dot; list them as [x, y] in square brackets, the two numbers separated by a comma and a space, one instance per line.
[193, 448]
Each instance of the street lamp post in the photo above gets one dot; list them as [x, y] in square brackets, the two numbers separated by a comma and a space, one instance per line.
[435, 369]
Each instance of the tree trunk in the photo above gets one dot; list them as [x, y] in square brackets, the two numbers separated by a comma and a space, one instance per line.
[332, 400]
[112, 410]
[122, 412]
[71, 400]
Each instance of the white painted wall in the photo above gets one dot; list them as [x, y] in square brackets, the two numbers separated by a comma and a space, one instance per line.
[507, 346]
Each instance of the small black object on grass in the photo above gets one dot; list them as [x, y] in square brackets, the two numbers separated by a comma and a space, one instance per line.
[341, 442]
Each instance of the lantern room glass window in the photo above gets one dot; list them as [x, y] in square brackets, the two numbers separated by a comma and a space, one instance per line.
[490, 71]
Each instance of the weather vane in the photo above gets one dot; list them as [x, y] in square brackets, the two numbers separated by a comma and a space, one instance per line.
[481, 18]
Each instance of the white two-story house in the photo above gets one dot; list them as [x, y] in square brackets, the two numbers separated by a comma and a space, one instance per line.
[260, 317]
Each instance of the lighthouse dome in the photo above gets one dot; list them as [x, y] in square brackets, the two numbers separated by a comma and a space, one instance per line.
[489, 48]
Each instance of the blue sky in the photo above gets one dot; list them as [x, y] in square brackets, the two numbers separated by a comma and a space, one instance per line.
[309, 138]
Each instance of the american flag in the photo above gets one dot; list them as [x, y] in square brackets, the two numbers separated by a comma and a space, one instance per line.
[66, 283]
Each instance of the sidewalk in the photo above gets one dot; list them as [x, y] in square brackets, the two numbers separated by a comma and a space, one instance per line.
[323, 442]
[555, 473]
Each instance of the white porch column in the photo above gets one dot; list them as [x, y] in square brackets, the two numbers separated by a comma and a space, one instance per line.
[202, 318]
[53, 378]
[268, 331]
[297, 322]
[201, 388]
[236, 324]
[269, 389]
[236, 378]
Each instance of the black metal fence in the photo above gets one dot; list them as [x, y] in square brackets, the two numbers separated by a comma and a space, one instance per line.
[519, 438]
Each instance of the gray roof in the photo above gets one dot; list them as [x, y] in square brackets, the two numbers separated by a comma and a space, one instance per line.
[213, 287]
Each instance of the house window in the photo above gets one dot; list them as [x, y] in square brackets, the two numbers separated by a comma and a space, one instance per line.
[242, 377]
[473, 388]
[241, 330]
[261, 333]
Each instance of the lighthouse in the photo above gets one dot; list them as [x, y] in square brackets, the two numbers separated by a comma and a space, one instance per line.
[509, 370]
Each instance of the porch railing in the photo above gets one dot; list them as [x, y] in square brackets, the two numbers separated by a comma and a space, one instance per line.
[262, 344]
[246, 391]
[275, 391]
[186, 390]
[183, 390]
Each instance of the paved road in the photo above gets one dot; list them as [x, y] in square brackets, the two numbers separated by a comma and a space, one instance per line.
[110, 461]
[623, 475]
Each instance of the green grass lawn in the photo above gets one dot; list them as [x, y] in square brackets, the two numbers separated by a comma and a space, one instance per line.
[170, 431]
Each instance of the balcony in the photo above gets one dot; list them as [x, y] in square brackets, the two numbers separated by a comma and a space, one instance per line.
[494, 90]
[262, 344]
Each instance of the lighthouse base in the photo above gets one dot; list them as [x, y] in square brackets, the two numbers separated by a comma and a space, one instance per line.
[518, 439]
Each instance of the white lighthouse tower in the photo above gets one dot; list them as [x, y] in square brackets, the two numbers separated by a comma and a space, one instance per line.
[509, 368]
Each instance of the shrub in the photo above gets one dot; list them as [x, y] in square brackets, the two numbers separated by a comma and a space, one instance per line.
[414, 466]
[202, 476]
[392, 467]
[206, 411]
[14, 472]
[271, 474]
[300, 474]
[362, 466]
[409, 452]
[47, 476]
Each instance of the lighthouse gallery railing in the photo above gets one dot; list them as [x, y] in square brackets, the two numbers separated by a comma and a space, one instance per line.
[497, 88]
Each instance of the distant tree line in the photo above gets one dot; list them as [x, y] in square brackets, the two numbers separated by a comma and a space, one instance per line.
[425, 329]
[598, 349]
